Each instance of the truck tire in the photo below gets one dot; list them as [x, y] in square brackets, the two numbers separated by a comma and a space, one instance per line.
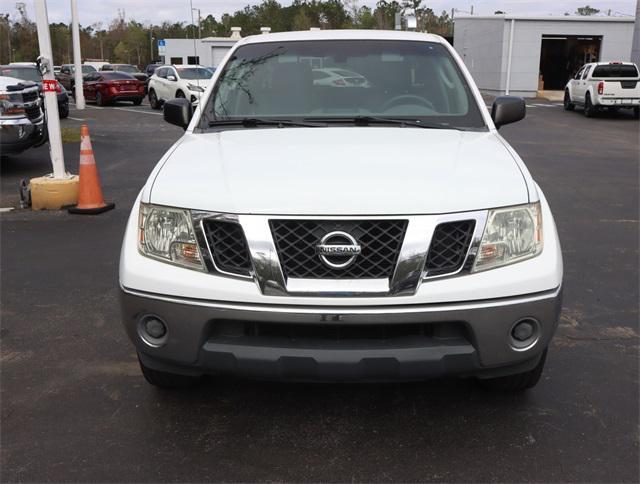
[518, 382]
[589, 108]
[163, 379]
[568, 105]
[63, 111]
[636, 112]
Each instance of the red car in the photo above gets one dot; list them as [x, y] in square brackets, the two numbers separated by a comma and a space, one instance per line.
[109, 87]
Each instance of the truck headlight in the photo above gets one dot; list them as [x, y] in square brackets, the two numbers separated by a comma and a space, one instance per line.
[11, 104]
[512, 234]
[193, 87]
[166, 234]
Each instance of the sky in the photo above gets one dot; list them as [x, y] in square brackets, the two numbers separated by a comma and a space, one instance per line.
[156, 11]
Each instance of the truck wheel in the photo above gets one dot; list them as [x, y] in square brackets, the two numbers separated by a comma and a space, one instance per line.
[137, 102]
[63, 111]
[589, 108]
[163, 379]
[518, 382]
[568, 105]
[153, 100]
[636, 112]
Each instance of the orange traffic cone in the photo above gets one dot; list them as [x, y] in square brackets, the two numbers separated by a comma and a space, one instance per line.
[90, 199]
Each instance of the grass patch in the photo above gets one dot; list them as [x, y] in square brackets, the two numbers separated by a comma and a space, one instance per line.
[70, 135]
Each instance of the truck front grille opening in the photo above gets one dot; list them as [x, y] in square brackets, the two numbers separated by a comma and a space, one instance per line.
[380, 240]
[449, 247]
[244, 332]
[228, 246]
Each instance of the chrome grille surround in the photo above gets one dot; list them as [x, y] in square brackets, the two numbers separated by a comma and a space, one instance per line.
[409, 272]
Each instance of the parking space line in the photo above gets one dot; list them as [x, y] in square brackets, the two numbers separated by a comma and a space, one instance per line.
[126, 109]
[121, 109]
[75, 119]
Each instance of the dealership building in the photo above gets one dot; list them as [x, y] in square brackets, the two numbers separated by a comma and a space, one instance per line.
[522, 55]
[208, 51]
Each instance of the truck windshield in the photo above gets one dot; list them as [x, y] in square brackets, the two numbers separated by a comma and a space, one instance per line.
[24, 73]
[344, 79]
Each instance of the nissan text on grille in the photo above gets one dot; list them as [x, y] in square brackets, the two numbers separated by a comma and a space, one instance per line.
[341, 207]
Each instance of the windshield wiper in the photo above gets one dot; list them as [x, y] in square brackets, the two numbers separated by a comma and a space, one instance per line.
[253, 122]
[368, 120]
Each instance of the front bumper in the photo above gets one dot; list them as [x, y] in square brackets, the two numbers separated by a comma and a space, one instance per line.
[463, 339]
[19, 134]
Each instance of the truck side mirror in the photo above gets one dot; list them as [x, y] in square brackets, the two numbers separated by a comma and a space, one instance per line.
[507, 109]
[178, 111]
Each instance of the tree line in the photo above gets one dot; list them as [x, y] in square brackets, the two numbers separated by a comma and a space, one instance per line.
[125, 40]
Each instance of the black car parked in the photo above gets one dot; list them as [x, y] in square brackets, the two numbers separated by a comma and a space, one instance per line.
[31, 73]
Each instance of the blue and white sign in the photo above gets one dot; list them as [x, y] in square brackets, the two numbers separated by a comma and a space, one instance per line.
[162, 46]
[161, 43]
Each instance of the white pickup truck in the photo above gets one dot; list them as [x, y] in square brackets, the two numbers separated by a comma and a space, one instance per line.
[613, 85]
[365, 231]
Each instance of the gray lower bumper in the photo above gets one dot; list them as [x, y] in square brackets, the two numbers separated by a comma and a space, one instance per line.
[194, 347]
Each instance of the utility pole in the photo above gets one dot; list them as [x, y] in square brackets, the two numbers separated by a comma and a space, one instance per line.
[77, 57]
[49, 91]
[199, 27]
[150, 46]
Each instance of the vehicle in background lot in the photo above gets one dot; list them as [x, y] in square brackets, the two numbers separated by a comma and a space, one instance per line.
[110, 87]
[151, 68]
[95, 63]
[66, 76]
[128, 68]
[181, 80]
[611, 85]
[338, 78]
[21, 118]
[31, 73]
[313, 232]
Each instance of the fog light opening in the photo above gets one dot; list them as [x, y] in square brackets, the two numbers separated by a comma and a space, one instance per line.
[524, 334]
[153, 330]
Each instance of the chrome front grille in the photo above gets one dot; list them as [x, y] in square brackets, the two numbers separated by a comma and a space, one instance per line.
[449, 246]
[33, 111]
[29, 96]
[296, 242]
[299, 256]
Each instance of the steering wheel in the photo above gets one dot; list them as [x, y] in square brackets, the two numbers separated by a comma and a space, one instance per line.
[397, 100]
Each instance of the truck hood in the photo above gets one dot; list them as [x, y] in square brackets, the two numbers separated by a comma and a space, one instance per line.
[339, 171]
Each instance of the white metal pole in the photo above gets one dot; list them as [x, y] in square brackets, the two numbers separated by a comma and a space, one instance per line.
[508, 86]
[50, 96]
[77, 56]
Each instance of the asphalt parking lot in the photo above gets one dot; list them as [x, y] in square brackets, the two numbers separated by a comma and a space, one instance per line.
[75, 407]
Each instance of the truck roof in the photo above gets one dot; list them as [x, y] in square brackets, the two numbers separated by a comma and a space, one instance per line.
[345, 34]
